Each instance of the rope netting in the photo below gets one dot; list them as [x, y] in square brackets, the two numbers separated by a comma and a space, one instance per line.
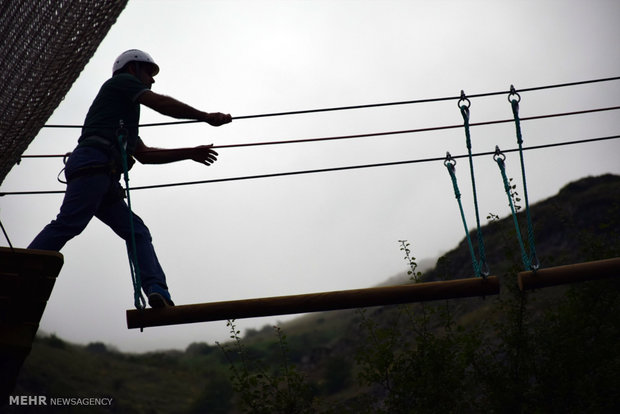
[45, 45]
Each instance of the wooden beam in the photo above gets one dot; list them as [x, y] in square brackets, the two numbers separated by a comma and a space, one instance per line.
[560, 275]
[313, 302]
[26, 281]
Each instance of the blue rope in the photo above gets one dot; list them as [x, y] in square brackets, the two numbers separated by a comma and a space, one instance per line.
[514, 102]
[465, 112]
[450, 164]
[139, 301]
[499, 157]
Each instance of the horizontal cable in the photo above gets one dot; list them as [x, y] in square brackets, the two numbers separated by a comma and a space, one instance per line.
[376, 134]
[375, 105]
[410, 131]
[333, 169]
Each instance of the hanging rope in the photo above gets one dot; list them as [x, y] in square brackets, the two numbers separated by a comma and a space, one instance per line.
[499, 158]
[514, 98]
[6, 236]
[139, 301]
[464, 105]
[450, 164]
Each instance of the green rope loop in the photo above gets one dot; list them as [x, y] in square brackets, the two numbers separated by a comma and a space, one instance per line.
[139, 301]
[450, 164]
[499, 157]
[534, 264]
[483, 261]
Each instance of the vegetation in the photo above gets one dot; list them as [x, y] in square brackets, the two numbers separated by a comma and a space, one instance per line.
[549, 351]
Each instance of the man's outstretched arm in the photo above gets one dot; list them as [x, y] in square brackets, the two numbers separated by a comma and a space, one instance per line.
[169, 106]
[203, 154]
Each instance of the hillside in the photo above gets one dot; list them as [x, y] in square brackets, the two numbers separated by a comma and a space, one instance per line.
[553, 350]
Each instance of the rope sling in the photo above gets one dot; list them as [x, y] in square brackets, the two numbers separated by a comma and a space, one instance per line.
[499, 158]
[514, 98]
[139, 301]
[450, 164]
[480, 266]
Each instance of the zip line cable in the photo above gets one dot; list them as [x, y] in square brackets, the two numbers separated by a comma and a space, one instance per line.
[377, 134]
[333, 169]
[375, 105]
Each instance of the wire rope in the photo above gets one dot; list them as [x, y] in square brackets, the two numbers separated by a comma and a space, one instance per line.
[377, 134]
[334, 169]
[373, 105]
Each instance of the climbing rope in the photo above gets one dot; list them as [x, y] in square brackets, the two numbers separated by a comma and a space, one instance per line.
[499, 158]
[450, 164]
[464, 105]
[139, 301]
[514, 98]
[6, 236]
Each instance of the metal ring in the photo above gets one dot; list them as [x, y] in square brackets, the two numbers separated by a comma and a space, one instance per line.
[449, 160]
[513, 92]
[499, 154]
[464, 99]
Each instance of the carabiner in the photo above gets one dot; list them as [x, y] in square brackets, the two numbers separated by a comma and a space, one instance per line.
[449, 160]
[513, 92]
[463, 99]
[498, 154]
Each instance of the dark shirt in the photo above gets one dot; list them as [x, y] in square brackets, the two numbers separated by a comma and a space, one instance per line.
[116, 101]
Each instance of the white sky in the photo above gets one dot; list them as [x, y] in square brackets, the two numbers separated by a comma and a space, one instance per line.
[328, 231]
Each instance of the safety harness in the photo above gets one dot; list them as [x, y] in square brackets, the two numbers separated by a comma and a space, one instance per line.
[114, 167]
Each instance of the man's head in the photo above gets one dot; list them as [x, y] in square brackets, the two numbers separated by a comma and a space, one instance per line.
[136, 58]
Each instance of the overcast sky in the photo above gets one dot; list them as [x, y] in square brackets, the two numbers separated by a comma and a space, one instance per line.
[328, 231]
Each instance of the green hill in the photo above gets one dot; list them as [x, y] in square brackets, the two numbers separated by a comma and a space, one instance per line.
[552, 350]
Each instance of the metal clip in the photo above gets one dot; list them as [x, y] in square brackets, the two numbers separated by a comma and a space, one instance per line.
[449, 160]
[121, 133]
[513, 92]
[498, 154]
[464, 99]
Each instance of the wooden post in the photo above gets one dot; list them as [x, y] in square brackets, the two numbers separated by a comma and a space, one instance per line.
[559, 275]
[26, 281]
[313, 302]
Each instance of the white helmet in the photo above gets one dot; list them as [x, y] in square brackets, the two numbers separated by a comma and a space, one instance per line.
[134, 55]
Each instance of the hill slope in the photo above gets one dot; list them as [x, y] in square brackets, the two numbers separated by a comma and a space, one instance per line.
[505, 354]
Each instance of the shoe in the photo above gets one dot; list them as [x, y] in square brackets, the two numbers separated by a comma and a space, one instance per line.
[159, 298]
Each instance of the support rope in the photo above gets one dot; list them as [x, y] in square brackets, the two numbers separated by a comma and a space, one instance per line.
[499, 158]
[328, 170]
[139, 301]
[373, 105]
[369, 134]
[450, 164]
[514, 98]
[464, 105]
[6, 236]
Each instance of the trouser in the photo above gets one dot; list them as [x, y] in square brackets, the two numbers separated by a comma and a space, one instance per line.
[99, 195]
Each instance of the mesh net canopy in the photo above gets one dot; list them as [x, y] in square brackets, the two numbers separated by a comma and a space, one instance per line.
[45, 45]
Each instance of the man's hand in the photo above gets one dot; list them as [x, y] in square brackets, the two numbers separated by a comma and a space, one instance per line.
[204, 154]
[217, 118]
